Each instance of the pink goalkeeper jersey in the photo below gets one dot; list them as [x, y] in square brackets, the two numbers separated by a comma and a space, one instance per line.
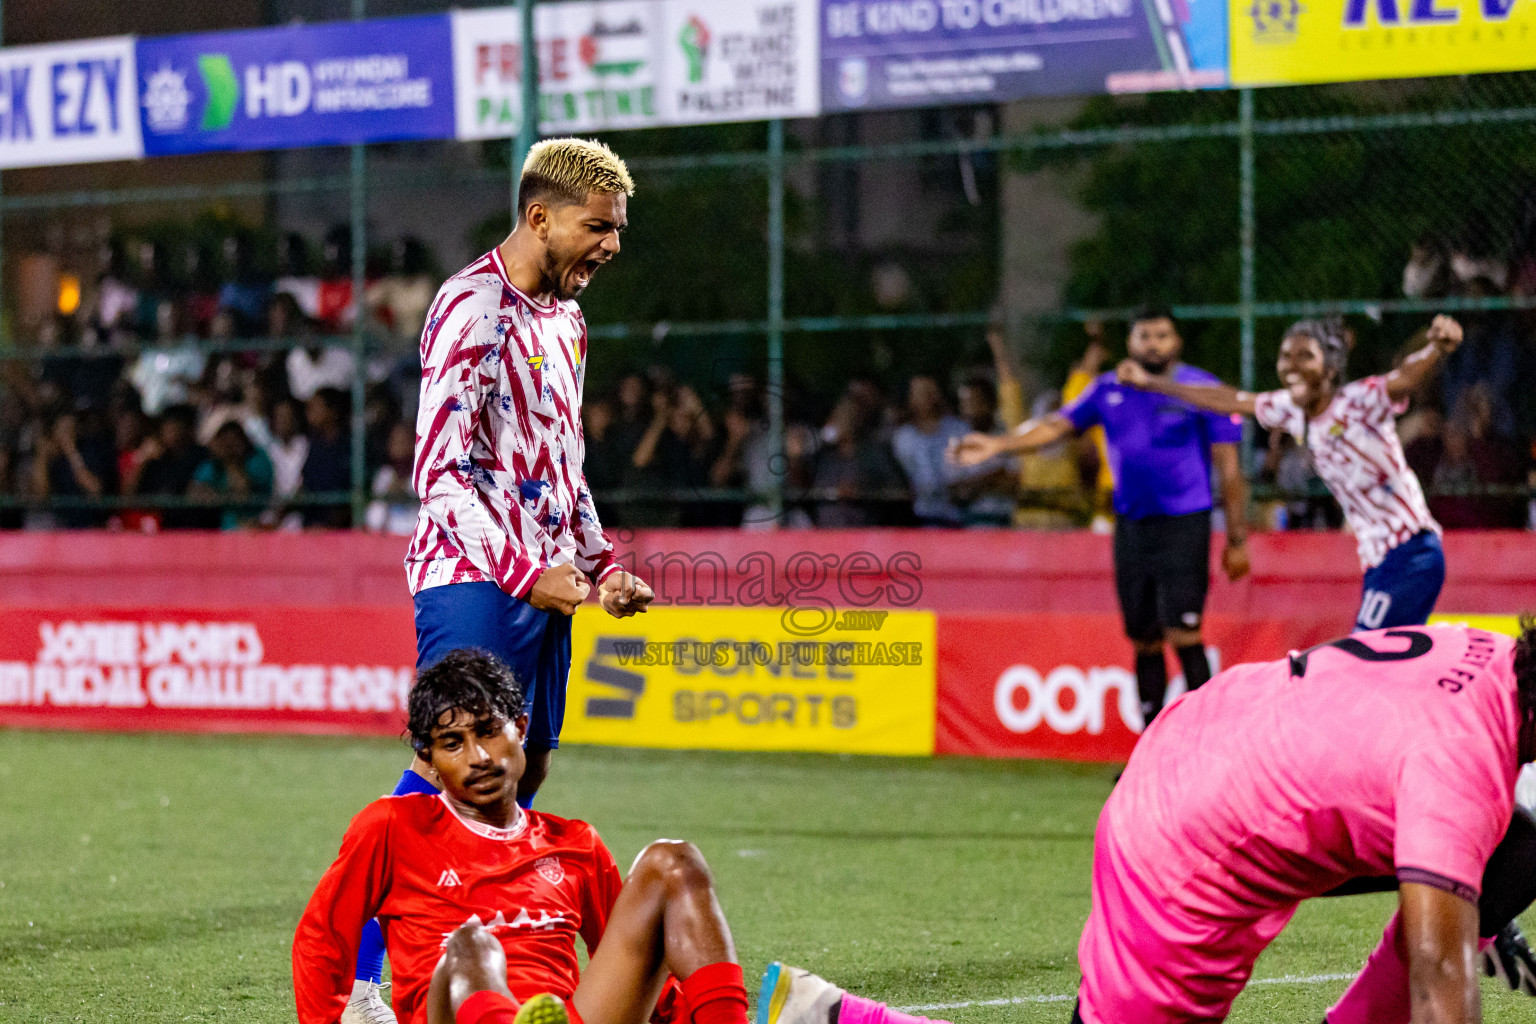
[1391, 752]
[498, 439]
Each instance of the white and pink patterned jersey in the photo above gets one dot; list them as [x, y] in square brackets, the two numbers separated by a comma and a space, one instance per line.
[1355, 448]
[499, 445]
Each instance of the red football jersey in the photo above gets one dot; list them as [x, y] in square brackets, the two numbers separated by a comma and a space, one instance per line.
[422, 869]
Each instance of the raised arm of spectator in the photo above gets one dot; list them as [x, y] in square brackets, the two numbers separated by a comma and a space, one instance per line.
[727, 466]
[661, 415]
[1010, 393]
[1213, 397]
[1439, 930]
[491, 535]
[62, 444]
[1095, 352]
[1443, 337]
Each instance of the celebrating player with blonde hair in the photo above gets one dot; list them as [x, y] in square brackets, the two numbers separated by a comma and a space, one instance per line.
[509, 542]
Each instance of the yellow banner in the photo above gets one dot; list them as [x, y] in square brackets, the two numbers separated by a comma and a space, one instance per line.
[1282, 42]
[1506, 624]
[850, 681]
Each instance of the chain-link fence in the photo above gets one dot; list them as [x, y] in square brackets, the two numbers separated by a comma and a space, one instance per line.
[781, 287]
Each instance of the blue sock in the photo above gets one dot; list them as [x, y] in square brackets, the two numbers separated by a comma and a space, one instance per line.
[370, 954]
[370, 951]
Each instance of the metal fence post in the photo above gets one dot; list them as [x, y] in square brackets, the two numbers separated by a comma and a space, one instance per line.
[528, 131]
[776, 455]
[359, 322]
[1247, 239]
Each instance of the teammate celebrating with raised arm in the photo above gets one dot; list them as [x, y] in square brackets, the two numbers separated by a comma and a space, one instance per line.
[1388, 754]
[509, 543]
[1352, 434]
[482, 900]
[1160, 454]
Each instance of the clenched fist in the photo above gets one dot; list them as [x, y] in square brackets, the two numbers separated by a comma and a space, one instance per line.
[560, 588]
[623, 595]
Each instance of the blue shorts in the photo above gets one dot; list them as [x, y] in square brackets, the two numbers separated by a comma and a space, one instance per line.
[535, 645]
[1402, 590]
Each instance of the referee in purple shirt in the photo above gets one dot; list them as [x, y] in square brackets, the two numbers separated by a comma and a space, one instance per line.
[1160, 452]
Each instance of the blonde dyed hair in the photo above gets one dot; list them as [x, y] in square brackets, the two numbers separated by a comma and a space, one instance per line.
[566, 171]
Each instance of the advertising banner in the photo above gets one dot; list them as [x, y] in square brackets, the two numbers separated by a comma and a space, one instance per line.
[740, 60]
[637, 63]
[68, 103]
[299, 85]
[600, 65]
[855, 681]
[1061, 686]
[258, 670]
[914, 53]
[1348, 40]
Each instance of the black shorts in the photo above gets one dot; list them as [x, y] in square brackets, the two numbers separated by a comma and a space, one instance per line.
[1162, 571]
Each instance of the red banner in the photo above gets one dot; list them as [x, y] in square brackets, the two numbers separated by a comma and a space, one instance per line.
[1060, 686]
[252, 670]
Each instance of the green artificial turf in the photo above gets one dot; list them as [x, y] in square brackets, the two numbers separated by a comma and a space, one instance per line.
[158, 878]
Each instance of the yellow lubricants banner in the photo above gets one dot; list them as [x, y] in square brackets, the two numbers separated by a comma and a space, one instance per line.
[1509, 625]
[1281, 42]
[858, 681]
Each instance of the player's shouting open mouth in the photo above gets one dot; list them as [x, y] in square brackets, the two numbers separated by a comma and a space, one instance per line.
[481, 901]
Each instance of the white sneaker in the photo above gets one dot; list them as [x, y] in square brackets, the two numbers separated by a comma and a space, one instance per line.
[367, 1005]
[790, 995]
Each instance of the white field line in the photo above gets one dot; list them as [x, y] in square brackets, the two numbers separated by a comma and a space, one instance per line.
[1289, 979]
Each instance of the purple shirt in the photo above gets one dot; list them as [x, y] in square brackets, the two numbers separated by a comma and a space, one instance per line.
[1159, 447]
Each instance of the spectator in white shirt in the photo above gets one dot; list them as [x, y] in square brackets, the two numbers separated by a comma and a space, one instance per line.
[310, 367]
[313, 368]
[287, 446]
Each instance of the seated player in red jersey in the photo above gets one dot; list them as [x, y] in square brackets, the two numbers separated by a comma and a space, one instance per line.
[481, 901]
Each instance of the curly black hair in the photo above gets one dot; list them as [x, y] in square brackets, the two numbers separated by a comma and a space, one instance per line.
[1525, 675]
[468, 680]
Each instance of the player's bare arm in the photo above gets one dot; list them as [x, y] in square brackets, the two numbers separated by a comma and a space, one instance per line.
[1234, 499]
[1443, 337]
[1212, 397]
[1440, 935]
[976, 448]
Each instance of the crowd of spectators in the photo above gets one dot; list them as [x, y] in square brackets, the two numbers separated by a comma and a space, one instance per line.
[126, 403]
[124, 415]
[664, 458]
[1474, 430]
